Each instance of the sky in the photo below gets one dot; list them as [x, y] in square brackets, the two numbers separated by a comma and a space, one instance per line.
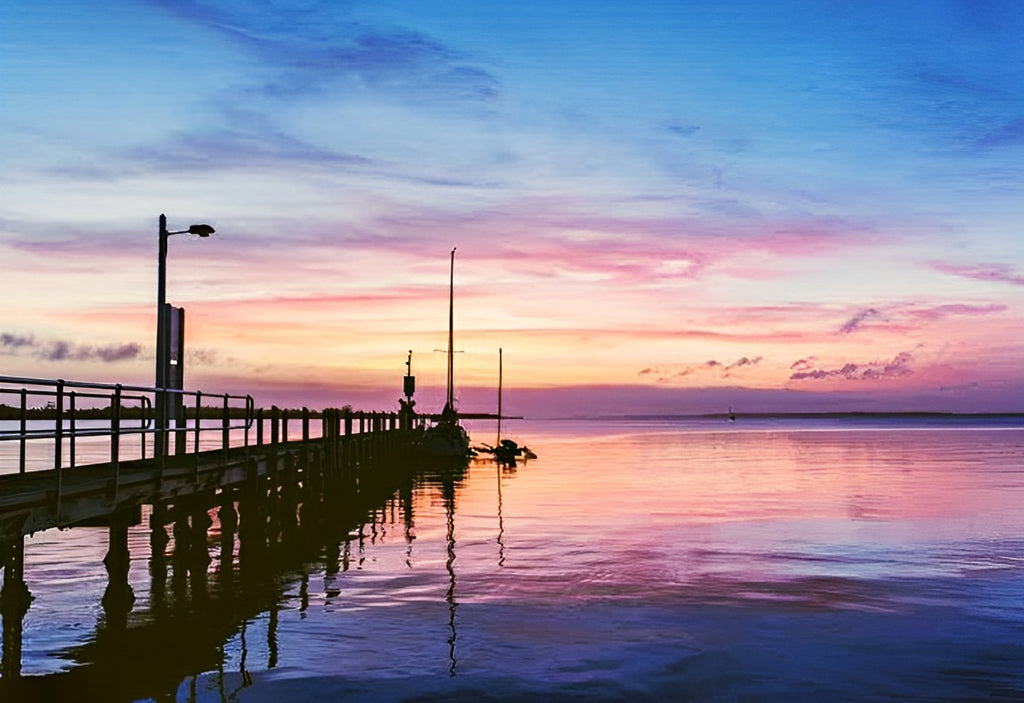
[657, 206]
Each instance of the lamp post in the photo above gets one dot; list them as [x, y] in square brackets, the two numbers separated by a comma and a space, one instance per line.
[200, 230]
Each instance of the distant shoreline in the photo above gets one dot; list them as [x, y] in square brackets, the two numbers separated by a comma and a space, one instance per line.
[799, 416]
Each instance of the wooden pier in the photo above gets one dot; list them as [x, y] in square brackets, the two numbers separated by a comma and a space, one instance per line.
[272, 483]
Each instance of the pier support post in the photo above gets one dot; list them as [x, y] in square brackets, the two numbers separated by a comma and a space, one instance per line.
[199, 553]
[118, 597]
[14, 594]
[14, 602]
[199, 556]
[228, 518]
[252, 523]
[158, 540]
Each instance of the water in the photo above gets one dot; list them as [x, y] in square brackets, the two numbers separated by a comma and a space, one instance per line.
[648, 560]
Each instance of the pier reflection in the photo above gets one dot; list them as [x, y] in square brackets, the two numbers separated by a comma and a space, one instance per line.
[218, 562]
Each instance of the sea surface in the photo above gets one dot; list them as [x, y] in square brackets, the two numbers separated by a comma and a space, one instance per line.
[651, 559]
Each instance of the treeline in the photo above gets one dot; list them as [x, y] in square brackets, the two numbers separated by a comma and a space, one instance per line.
[134, 412]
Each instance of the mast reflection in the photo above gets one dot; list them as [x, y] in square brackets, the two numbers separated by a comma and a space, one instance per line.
[449, 513]
[501, 521]
[447, 479]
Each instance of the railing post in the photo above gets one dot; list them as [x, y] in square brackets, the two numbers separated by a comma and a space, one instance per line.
[180, 425]
[115, 437]
[259, 427]
[197, 427]
[275, 416]
[160, 432]
[144, 423]
[59, 442]
[327, 437]
[284, 425]
[348, 438]
[336, 423]
[225, 423]
[249, 405]
[24, 430]
[197, 422]
[305, 443]
[72, 434]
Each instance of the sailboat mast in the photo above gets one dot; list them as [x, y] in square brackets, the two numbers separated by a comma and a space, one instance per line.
[451, 333]
[499, 398]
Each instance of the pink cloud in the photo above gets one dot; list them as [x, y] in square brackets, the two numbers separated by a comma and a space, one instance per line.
[536, 235]
[942, 311]
[996, 273]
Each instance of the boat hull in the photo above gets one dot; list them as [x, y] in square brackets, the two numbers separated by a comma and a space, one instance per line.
[446, 441]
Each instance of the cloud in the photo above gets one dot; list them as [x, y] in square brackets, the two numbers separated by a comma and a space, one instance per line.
[119, 352]
[201, 357]
[683, 130]
[61, 350]
[711, 366]
[804, 364]
[941, 311]
[854, 322]
[743, 361]
[304, 49]
[1008, 134]
[995, 273]
[897, 367]
[11, 341]
[237, 148]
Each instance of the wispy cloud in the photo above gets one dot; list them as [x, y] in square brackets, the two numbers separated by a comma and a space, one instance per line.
[62, 350]
[236, 148]
[304, 49]
[857, 320]
[1008, 134]
[995, 273]
[743, 361]
[711, 367]
[14, 342]
[897, 367]
[939, 312]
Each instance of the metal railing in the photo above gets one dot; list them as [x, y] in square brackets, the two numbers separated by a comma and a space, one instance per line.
[66, 412]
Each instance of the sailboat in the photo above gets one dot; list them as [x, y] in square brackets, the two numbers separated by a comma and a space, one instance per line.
[447, 439]
[505, 451]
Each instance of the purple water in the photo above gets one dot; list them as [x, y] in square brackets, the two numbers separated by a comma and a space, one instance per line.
[648, 560]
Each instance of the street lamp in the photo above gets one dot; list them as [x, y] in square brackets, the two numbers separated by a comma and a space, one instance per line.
[200, 230]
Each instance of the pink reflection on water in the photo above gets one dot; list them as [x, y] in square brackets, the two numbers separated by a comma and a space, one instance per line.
[784, 514]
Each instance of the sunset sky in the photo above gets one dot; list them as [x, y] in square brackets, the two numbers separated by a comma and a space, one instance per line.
[670, 206]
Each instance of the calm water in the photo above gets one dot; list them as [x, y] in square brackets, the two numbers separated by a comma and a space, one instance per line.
[761, 560]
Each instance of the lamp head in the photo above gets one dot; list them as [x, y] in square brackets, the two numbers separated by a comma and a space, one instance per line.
[201, 230]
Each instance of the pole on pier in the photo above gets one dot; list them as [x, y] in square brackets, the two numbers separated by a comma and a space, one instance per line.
[164, 330]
